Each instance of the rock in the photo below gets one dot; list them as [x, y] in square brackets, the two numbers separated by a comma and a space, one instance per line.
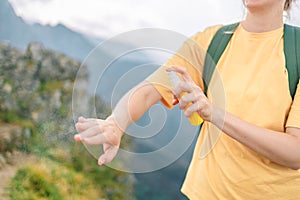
[2, 161]
[7, 88]
[8, 157]
[27, 133]
[35, 51]
[10, 137]
[37, 83]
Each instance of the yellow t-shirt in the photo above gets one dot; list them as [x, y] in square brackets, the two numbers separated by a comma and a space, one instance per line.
[251, 82]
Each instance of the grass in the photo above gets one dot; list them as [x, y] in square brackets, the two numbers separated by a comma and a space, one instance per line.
[12, 117]
[66, 168]
[47, 179]
[49, 87]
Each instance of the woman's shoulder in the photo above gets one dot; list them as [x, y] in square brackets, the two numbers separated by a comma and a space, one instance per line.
[204, 37]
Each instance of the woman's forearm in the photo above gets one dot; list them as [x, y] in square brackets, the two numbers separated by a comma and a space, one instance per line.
[134, 104]
[282, 148]
[109, 131]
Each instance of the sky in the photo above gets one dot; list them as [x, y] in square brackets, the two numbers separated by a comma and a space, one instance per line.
[106, 18]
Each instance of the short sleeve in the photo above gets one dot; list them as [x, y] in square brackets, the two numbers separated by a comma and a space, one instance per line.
[294, 115]
[191, 56]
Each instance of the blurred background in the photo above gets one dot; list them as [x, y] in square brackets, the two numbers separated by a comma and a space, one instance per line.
[43, 44]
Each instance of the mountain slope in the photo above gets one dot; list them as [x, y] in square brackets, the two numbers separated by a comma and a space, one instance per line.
[58, 38]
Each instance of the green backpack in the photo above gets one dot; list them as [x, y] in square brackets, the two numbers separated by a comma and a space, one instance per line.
[291, 46]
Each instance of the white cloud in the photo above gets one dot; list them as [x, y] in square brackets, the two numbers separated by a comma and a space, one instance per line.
[108, 18]
[295, 14]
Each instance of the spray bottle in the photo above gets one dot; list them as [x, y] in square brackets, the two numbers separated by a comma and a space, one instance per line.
[194, 119]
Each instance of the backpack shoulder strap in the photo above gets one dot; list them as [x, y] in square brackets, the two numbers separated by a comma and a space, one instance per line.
[215, 51]
[292, 59]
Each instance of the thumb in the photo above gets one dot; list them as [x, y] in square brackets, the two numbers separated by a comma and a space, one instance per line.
[109, 154]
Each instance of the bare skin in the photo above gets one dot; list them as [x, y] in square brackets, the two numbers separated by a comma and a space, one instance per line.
[110, 131]
[280, 147]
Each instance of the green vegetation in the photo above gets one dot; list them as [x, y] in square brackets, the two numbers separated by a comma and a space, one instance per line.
[7, 81]
[62, 111]
[49, 87]
[12, 117]
[31, 63]
[65, 170]
[49, 180]
[36, 114]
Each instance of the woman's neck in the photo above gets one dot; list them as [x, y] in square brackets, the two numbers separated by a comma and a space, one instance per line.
[263, 22]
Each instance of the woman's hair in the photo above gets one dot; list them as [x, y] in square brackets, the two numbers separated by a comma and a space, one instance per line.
[287, 5]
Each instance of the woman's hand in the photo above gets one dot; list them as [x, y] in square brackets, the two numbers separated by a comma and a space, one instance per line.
[97, 131]
[193, 100]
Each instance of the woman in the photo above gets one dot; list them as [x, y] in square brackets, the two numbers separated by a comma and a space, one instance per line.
[258, 154]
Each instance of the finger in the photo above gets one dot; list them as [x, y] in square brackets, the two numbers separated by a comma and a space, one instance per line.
[77, 138]
[181, 70]
[186, 99]
[81, 126]
[191, 109]
[175, 101]
[95, 140]
[181, 88]
[90, 132]
[108, 156]
[83, 119]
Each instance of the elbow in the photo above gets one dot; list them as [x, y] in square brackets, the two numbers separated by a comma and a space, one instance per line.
[290, 162]
[295, 166]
